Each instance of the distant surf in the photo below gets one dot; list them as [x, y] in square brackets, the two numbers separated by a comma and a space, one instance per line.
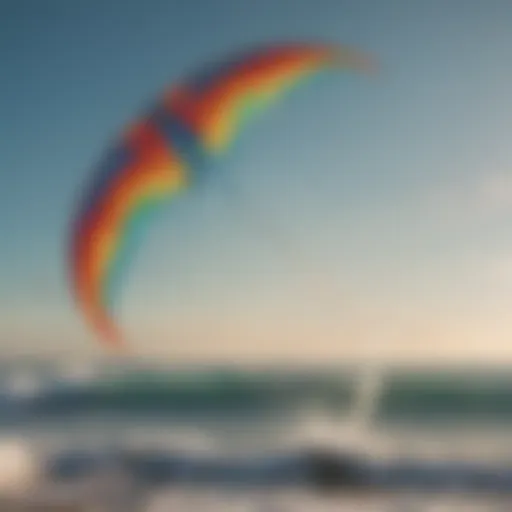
[40, 390]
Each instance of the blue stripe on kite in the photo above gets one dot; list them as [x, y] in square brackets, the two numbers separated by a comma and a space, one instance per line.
[116, 159]
[182, 139]
[132, 233]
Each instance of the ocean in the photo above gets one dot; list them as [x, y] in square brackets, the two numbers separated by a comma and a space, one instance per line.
[62, 411]
[39, 394]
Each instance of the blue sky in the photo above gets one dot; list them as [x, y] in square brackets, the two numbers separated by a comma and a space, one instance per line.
[394, 191]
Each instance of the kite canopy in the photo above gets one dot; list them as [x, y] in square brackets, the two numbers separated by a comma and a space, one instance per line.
[164, 153]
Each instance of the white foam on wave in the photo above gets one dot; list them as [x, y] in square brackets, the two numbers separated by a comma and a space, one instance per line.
[20, 466]
[314, 429]
[23, 385]
[78, 372]
[189, 439]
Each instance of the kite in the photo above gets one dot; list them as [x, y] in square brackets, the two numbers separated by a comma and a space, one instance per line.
[170, 149]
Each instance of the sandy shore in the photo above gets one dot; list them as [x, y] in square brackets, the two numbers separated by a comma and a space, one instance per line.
[194, 500]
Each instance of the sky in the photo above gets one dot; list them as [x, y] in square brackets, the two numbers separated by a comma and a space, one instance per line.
[393, 192]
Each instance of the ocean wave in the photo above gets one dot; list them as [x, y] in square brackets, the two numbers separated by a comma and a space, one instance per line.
[44, 391]
[142, 392]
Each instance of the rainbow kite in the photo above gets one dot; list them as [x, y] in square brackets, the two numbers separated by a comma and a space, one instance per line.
[165, 152]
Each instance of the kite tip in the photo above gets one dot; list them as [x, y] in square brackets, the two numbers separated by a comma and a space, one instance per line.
[112, 338]
[361, 61]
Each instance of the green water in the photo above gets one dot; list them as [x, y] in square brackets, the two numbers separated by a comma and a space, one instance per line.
[433, 397]
[406, 396]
